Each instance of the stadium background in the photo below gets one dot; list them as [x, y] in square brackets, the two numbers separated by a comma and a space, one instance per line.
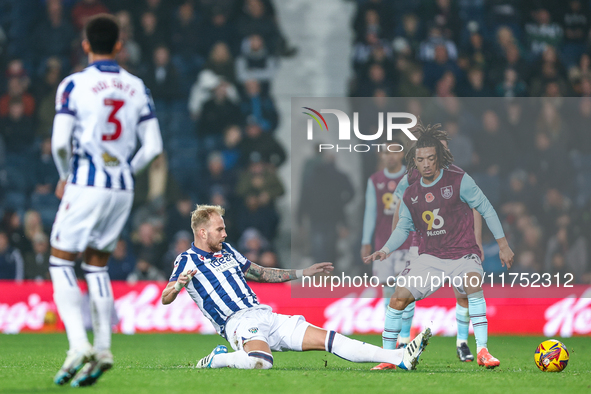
[222, 74]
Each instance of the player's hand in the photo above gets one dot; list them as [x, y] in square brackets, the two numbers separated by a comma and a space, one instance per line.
[375, 255]
[365, 251]
[186, 277]
[59, 189]
[326, 268]
[506, 255]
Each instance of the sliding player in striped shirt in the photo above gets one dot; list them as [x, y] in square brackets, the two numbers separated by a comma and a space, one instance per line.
[215, 274]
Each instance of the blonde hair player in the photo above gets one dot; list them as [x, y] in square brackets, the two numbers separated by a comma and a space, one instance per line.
[214, 275]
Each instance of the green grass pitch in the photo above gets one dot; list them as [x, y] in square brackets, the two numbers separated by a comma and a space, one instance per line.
[163, 363]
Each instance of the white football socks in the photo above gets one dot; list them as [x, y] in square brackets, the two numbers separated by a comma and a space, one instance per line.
[252, 360]
[360, 352]
[335, 343]
[68, 299]
[101, 302]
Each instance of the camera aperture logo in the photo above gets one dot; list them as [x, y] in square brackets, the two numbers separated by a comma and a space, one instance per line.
[344, 132]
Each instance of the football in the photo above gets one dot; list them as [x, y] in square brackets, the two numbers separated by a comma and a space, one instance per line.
[551, 356]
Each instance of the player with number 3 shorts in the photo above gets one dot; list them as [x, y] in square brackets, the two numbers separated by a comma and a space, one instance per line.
[101, 112]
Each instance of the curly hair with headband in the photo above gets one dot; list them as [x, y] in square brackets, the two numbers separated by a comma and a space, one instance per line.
[430, 136]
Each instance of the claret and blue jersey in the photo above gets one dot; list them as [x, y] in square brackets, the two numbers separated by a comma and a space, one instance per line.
[441, 212]
[219, 287]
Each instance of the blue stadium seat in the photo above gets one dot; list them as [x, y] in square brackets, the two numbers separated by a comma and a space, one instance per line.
[47, 206]
[583, 181]
[16, 179]
[16, 201]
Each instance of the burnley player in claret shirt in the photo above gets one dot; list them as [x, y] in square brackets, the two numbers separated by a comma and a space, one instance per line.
[439, 208]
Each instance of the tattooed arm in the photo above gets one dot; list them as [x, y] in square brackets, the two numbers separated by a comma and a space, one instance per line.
[274, 275]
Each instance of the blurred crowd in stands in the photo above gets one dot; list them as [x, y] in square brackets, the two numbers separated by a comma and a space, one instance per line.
[531, 157]
[209, 64]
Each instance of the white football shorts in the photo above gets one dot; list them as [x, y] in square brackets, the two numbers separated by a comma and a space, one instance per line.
[280, 332]
[90, 217]
[426, 274]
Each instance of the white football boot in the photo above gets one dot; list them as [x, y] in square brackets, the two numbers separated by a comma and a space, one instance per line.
[75, 360]
[94, 369]
[205, 362]
[414, 349]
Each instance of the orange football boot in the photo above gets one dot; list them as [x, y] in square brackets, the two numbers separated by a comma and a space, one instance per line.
[486, 359]
[383, 366]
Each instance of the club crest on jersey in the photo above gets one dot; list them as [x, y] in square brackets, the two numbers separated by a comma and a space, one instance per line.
[414, 200]
[381, 185]
[429, 197]
[447, 192]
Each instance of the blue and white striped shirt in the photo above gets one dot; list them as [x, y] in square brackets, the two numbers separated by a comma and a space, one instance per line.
[108, 105]
[219, 287]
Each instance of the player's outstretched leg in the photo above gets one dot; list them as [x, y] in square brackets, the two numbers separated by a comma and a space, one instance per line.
[477, 308]
[68, 299]
[361, 352]
[463, 322]
[220, 358]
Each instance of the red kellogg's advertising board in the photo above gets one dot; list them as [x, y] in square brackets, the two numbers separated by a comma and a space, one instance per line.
[29, 307]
